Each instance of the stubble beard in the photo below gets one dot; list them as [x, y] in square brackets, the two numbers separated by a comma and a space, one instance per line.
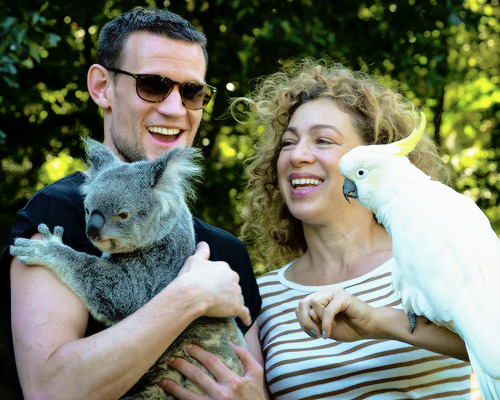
[128, 150]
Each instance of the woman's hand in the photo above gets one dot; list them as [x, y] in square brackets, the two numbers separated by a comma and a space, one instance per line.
[227, 384]
[343, 317]
[336, 314]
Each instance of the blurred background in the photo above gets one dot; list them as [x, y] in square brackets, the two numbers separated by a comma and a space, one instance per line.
[442, 54]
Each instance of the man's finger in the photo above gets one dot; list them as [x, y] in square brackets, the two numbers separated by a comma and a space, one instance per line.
[202, 250]
[245, 317]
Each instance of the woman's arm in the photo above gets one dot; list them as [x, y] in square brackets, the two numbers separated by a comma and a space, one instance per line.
[253, 344]
[55, 361]
[332, 312]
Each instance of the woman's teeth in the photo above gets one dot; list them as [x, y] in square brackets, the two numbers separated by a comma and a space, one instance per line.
[305, 182]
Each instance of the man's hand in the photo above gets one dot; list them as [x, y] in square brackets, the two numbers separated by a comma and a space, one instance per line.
[227, 384]
[336, 314]
[217, 285]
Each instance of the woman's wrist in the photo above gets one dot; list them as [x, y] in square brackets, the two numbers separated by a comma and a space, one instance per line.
[390, 323]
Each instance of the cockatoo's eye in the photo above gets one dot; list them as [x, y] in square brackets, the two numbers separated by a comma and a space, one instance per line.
[361, 173]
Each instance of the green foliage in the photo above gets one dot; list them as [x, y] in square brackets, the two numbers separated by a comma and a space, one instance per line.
[24, 40]
[441, 54]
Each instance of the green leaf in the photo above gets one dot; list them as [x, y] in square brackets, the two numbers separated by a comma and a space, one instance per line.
[34, 51]
[53, 39]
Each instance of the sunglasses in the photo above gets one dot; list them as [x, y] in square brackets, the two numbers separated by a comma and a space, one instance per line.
[155, 88]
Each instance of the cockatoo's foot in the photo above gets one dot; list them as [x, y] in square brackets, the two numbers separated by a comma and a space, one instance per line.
[413, 321]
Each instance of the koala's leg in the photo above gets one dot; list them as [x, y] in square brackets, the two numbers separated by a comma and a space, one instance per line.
[75, 269]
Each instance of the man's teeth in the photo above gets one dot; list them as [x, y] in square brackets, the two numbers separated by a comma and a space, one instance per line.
[305, 182]
[164, 131]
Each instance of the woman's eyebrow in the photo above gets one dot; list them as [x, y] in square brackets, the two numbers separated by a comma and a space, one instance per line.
[315, 127]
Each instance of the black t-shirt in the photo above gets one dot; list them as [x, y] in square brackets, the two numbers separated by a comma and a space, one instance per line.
[61, 204]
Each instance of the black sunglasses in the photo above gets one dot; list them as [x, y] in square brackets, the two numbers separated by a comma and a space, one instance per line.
[155, 88]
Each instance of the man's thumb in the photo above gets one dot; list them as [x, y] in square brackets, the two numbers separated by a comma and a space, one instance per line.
[202, 250]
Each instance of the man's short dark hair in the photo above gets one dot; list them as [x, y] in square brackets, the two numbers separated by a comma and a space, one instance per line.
[114, 34]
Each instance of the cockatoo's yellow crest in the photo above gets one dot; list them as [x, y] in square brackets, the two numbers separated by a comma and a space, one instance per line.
[407, 144]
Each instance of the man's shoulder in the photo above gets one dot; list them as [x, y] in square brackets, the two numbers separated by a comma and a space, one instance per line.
[205, 231]
[65, 192]
[68, 185]
[224, 246]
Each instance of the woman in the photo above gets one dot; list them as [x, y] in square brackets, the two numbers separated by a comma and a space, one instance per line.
[335, 253]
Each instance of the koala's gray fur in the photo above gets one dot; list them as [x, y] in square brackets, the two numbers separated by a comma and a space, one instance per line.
[136, 213]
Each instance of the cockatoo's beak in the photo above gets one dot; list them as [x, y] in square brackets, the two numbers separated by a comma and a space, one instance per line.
[350, 190]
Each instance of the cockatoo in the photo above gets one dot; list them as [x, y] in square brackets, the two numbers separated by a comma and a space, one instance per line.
[447, 254]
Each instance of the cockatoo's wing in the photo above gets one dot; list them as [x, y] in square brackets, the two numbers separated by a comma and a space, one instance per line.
[490, 387]
[449, 267]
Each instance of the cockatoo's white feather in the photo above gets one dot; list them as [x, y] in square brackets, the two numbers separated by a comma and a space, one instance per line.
[448, 255]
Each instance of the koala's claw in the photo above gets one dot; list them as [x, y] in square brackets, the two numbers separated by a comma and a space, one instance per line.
[58, 231]
[31, 252]
[22, 248]
[45, 231]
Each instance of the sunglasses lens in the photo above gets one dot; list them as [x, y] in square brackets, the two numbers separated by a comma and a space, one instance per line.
[153, 87]
[156, 88]
[195, 95]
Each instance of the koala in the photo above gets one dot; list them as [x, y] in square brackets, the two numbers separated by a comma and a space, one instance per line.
[137, 215]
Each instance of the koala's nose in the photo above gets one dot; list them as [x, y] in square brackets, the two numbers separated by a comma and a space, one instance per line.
[94, 225]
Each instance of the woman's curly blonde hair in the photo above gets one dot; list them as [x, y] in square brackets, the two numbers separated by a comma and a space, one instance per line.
[379, 115]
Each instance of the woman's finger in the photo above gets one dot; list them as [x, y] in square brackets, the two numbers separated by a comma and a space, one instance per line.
[250, 365]
[178, 391]
[192, 372]
[305, 320]
[212, 363]
[314, 317]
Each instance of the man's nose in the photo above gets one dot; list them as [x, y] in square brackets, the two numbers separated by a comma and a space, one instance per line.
[172, 104]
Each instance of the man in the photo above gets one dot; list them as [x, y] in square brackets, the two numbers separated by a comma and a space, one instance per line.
[149, 82]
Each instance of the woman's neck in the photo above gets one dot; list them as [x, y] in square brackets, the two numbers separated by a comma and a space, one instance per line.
[335, 255]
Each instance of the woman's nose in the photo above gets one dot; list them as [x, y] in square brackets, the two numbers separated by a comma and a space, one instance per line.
[301, 154]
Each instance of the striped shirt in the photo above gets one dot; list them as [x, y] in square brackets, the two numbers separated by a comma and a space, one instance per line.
[299, 367]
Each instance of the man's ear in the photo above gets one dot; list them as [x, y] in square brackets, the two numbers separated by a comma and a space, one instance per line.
[99, 86]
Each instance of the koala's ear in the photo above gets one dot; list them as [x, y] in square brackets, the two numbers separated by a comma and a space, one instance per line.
[98, 155]
[176, 167]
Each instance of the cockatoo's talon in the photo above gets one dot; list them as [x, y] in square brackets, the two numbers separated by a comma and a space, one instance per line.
[413, 321]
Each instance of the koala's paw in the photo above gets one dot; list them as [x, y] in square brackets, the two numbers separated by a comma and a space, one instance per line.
[45, 231]
[38, 252]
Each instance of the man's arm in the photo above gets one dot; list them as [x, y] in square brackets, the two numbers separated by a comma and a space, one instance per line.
[55, 361]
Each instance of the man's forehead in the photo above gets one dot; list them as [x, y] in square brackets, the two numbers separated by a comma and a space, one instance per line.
[144, 49]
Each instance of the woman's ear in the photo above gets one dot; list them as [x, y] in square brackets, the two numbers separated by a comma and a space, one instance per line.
[99, 86]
